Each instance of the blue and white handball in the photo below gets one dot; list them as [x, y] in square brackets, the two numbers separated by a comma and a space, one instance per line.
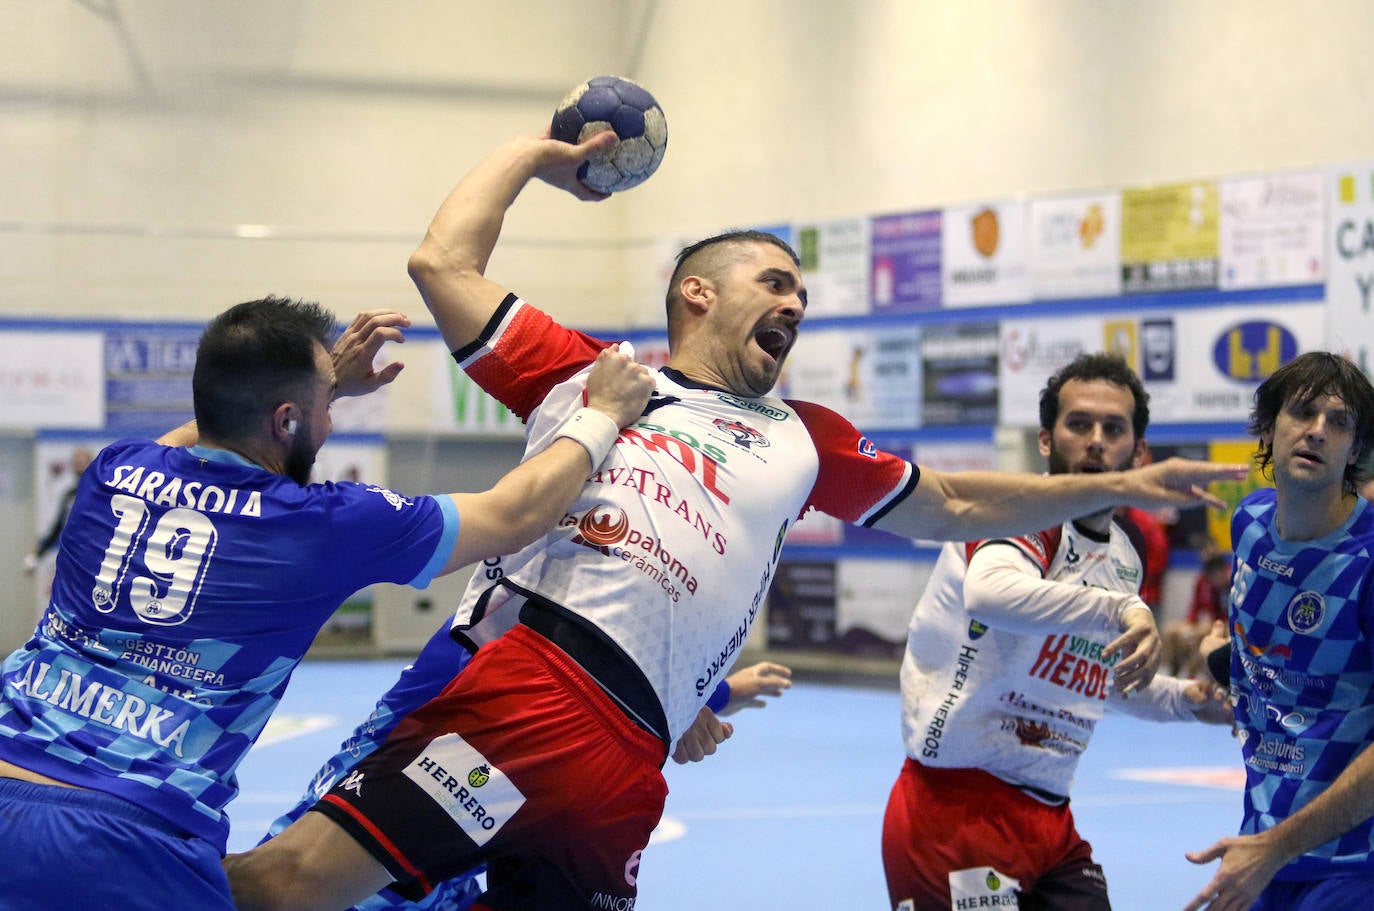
[614, 103]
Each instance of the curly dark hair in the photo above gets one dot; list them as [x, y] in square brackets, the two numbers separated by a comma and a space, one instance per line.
[1301, 381]
[1098, 366]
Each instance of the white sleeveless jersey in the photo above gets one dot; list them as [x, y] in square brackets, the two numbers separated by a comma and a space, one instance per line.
[1021, 705]
[672, 545]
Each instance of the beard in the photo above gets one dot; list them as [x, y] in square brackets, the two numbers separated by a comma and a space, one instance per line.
[300, 460]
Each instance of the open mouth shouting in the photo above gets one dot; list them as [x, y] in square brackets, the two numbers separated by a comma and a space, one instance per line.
[775, 340]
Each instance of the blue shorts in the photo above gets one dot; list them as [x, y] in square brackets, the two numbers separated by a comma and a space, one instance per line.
[1316, 894]
[74, 848]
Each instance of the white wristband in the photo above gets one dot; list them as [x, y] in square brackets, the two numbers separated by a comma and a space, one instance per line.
[595, 430]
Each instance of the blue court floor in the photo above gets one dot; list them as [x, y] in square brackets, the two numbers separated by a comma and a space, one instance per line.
[788, 814]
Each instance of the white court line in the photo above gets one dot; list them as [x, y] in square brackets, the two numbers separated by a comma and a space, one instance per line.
[284, 727]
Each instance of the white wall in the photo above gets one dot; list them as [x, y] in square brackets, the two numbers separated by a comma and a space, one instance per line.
[137, 135]
[134, 143]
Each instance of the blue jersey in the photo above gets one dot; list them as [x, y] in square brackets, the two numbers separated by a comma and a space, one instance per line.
[189, 584]
[1302, 671]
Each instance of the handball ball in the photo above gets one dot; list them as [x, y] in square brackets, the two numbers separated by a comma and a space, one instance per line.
[614, 103]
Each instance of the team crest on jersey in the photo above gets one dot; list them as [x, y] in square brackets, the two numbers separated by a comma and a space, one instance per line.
[604, 525]
[396, 500]
[778, 541]
[1306, 612]
[740, 433]
[867, 448]
[976, 630]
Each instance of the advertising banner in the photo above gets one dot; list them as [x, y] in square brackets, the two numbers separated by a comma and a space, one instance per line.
[1169, 237]
[1273, 230]
[983, 255]
[834, 265]
[905, 264]
[1350, 279]
[1075, 246]
[959, 374]
[871, 376]
[51, 379]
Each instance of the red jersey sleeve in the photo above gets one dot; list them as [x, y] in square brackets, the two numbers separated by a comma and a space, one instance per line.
[1039, 548]
[857, 482]
[522, 353]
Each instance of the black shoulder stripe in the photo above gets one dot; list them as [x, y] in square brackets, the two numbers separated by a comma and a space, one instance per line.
[901, 495]
[488, 330]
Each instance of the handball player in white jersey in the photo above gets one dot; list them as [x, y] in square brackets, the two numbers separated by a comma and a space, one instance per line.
[1012, 658]
[600, 643]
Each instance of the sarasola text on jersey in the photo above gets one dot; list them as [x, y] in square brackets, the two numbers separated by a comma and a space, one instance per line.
[162, 490]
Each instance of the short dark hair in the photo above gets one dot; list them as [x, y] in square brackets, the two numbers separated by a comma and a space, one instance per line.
[1302, 380]
[251, 358]
[1097, 366]
[711, 254]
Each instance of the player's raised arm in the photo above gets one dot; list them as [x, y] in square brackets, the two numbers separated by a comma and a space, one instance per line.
[963, 505]
[449, 266]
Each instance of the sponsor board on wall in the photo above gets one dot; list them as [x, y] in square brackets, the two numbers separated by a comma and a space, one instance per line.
[801, 606]
[871, 376]
[1231, 492]
[959, 374]
[1222, 355]
[1350, 267]
[1169, 237]
[52, 379]
[1198, 365]
[1032, 350]
[905, 262]
[834, 266]
[360, 413]
[148, 373]
[1272, 230]
[874, 600]
[983, 255]
[1075, 246]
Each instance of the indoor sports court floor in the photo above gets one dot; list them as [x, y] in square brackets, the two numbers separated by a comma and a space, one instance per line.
[789, 813]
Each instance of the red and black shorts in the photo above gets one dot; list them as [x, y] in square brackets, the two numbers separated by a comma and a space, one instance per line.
[523, 763]
[964, 834]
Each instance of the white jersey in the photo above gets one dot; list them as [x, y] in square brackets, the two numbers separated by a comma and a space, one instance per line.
[672, 545]
[1017, 687]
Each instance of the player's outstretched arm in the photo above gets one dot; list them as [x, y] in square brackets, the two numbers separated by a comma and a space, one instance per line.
[449, 267]
[963, 505]
[533, 496]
